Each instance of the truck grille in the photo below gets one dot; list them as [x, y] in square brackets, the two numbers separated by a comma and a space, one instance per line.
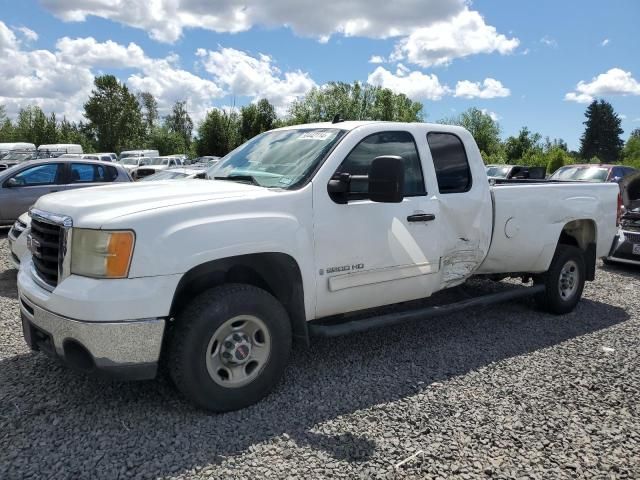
[632, 237]
[45, 238]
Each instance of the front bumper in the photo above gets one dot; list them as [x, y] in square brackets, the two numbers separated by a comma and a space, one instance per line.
[622, 248]
[17, 242]
[128, 350]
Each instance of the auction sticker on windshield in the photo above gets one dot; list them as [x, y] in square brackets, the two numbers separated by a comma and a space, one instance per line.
[316, 135]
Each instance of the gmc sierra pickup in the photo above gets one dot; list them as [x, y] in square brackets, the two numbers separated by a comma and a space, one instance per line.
[298, 228]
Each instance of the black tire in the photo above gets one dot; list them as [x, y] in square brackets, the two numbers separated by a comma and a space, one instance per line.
[608, 263]
[196, 325]
[552, 299]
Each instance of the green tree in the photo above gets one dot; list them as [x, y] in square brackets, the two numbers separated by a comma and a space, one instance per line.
[7, 130]
[601, 137]
[114, 115]
[149, 108]
[257, 118]
[525, 145]
[354, 102]
[167, 142]
[179, 121]
[631, 151]
[557, 157]
[483, 128]
[218, 133]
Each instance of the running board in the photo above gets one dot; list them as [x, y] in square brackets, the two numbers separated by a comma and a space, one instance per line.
[386, 320]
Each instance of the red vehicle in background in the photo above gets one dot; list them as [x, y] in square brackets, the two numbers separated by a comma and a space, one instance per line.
[598, 173]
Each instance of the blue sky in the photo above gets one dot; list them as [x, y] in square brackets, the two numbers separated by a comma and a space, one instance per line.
[522, 61]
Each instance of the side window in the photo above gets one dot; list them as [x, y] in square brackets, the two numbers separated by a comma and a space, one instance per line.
[88, 173]
[359, 161]
[48, 174]
[450, 161]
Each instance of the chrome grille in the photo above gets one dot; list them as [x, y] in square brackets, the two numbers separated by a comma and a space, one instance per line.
[45, 239]
[632, 237]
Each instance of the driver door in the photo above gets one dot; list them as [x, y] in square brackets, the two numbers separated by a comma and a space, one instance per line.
[370, 254]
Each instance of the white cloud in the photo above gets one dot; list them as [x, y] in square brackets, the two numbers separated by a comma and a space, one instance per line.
[28, 34]
[463, 35]
[622, 116]
[489, 88]
[605, 42]
[614, 82]
[243, 75]
[548, 41]
[88, 52]
[376, 59]
[494, 116]
[166, 19]
[415, 85]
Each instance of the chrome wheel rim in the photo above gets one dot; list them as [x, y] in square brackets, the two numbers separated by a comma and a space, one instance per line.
[568, 281]
[238, 351]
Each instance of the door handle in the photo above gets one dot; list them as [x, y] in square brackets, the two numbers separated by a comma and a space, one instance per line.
[421, 217]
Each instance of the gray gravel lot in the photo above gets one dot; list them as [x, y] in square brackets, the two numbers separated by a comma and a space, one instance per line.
[501, 392]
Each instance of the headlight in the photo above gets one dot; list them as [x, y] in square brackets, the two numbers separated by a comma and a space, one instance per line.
[101, 253]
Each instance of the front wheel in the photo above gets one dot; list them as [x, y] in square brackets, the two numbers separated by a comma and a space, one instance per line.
[229, 347]
[564, 281]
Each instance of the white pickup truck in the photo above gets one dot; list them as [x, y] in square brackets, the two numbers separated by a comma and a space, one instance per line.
[297, 229]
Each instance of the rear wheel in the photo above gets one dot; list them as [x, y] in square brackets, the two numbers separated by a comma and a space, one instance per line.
[229, 347]
[564, 281]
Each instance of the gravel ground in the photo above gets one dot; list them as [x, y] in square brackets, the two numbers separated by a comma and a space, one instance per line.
[502, 392]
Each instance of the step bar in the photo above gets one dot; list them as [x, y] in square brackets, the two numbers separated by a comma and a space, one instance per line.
[389, 319]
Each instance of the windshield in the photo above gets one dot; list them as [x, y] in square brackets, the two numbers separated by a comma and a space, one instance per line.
[159, 161]
[130, 160]
[582, 173]
[280, 158]
[18, 156]
[165, 175]
[500, 171]
[130, 155]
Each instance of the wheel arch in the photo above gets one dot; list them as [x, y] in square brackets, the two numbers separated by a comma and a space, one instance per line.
[277, 273]
[582, 233]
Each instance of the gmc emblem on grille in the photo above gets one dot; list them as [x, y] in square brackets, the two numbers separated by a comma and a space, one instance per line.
[34, 246]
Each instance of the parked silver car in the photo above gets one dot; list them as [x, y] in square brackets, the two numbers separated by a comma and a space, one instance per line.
[22, 184]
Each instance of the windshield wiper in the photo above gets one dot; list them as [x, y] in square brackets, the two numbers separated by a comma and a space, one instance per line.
[240, 178]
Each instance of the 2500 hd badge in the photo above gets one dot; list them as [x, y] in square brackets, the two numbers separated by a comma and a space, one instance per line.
[343, 268]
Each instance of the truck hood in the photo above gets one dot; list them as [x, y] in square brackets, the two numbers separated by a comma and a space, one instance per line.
[92, 207]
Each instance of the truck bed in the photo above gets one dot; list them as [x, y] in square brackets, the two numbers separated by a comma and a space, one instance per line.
[530, 215]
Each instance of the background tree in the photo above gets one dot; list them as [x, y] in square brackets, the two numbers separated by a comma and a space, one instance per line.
[257, 118]
[114, 115]
[7, 131]
[179, 121]
[219, 133]
[149, 109]
[601, 137]
[631, 151]
[353, 102]
[525, 145]
[167, 142]
[484, 129]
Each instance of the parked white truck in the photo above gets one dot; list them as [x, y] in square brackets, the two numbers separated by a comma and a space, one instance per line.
[299, 228]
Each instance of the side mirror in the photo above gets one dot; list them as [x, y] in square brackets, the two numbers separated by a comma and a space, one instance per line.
[386, 179]
[338, 188]
[12, 182]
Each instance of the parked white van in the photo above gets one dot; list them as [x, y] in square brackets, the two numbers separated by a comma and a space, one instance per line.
[8, 147]
[57, 149]
[139, 153]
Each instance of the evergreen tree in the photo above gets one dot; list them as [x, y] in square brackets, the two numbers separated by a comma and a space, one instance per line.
[601, 137]
[149, 107]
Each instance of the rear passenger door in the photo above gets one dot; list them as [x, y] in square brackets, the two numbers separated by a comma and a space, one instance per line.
[81, 174]
[465, 206]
